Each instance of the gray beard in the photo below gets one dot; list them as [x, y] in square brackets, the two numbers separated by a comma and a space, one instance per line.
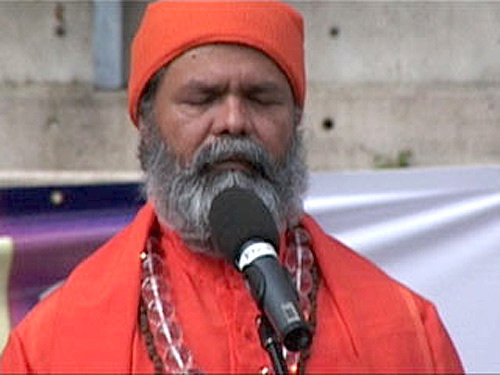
[182, 195]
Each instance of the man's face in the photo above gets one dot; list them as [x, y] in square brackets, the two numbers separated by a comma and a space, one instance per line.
[222, 116]
[224, 89]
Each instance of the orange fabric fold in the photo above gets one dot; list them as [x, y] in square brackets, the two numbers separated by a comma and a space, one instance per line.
[366, 322]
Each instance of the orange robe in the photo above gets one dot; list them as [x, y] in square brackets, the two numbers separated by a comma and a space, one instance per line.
[366, 322]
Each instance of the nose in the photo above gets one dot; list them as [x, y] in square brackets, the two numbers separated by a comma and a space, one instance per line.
[233, 117]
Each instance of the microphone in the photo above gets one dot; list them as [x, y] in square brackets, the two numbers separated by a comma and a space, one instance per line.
[244, 231]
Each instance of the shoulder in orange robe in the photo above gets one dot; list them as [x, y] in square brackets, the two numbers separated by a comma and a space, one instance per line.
[366, 322]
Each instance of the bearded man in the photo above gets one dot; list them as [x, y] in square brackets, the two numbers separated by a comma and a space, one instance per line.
[217, 90]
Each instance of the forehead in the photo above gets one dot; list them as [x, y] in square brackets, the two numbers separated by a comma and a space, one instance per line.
[219, 61]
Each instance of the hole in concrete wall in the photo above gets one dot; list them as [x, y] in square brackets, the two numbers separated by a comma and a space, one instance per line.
[60, 29]
[334, 31]
[52, 123]
[328, 124]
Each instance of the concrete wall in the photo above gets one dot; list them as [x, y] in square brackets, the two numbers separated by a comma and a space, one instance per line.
[400, 78]
[65, 127]
[51, 115]
[45, 42]
[389, 84]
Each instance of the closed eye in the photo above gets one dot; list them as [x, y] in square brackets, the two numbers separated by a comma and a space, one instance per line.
[200, 99]
[265, 94]
[199, 93]
[265, 99]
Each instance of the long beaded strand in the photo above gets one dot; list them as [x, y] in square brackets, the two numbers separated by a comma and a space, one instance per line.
[299, 261]
[166, 332]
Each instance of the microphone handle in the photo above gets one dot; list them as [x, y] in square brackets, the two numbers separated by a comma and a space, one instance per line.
[271, 287]
[269, 343]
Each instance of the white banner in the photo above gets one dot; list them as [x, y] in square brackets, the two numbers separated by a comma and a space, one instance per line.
[435, 230]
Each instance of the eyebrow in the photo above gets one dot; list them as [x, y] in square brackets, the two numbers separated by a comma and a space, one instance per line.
[199, 85]
[266, 86]
[253, 87]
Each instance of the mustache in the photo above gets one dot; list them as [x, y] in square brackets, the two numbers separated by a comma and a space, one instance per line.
[235, 149]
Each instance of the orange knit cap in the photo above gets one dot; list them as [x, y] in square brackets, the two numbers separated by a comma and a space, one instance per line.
[170, 28]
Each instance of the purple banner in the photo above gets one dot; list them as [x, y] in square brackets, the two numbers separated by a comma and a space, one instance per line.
[51, 236]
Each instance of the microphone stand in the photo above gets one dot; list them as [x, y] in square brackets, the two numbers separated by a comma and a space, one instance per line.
[271, 345]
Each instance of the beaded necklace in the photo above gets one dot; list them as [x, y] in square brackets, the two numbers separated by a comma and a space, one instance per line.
[163, 335]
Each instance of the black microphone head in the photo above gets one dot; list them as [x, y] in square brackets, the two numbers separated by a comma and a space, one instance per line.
[237, 216]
